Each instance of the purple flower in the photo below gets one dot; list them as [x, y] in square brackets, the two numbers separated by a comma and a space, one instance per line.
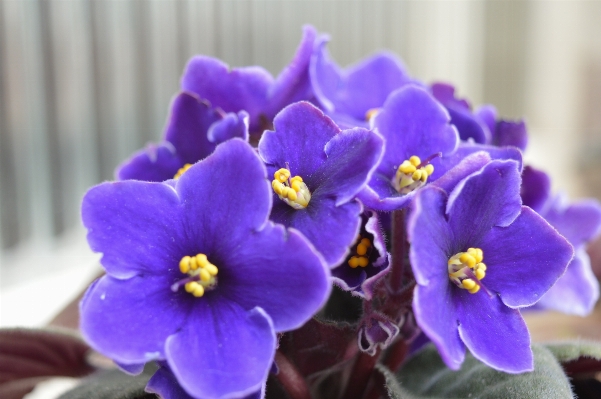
[478, 256]
[193, 131]
[348, 95]
[196, 274]
[577, 291]
[318, 170]
[252, 89]
[416, 128]
[503, 132]
[367, 261]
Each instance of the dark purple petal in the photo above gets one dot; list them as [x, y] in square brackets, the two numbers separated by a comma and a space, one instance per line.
[430, 236]
[239, 192]
[301, 133]
[326, 75]
[232, 90]
[156, 162]
[536, 188]
[577, 291]
[413, 123]
[579, 222]
[129, 320]
[187, 127]
[488, 115]
[510, 133]
[286, 277]
[495, 334]
[524, 259]
[232, 125]
[488, 198]
[447, 162]
[293, 83]
[332, 229]
[233, 350]
[352, 157]
[468, 165]
[436, 313]
[135, 225]
[375, 331]
[470, 126]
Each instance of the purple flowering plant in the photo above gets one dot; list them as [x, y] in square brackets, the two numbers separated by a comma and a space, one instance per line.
[306, 236]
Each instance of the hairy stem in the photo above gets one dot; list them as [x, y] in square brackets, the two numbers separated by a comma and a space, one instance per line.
[398, 251]
[290, 378]
[361, 374]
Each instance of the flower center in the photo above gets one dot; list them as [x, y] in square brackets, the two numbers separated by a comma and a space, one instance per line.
[182, 170]
[412, 174]
[201, 275]
[292, 191]
[361, 249]
[466, 269]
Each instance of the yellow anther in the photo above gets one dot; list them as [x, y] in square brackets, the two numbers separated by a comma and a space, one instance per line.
[468, 283]
[476, 253]
[296, 185]
[363, 261]
[291, 194]
[190, 286]
[199, 291]
[282, 175]
[353, 262]
[297, 178]
[429, 168]
[277, 186]
[415, 160]
[201, 260]
[366, 242]
[184, 264]
[411, 175]
[205, 276]
[182, 170]
[474, 290]
[371, 113]
[480, 274]
[193, 263]
[361, 249]
[212, 269]
[468, 259]
[482, 266]
[407, 168]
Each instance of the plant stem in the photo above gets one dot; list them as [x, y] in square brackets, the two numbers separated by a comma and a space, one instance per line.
[396, 355]
[361, 374]
[290, 378]
[398, 251]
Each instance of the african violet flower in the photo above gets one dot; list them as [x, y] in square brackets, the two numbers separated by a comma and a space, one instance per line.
[368, 259]
[482, 125]
[417, 130]
[193, 131]
[318, 170]
[577, 291]
[478, 256]
[252, 89]
[196, 274]
[349, 95]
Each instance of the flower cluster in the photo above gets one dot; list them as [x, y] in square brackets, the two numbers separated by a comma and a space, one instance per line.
[395, 191]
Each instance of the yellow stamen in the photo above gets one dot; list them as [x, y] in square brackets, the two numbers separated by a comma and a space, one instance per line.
[464, 266]
[182, 170]
[292, 191]
[409, 177]
[371, 113]
[203, 272]
[361, 259]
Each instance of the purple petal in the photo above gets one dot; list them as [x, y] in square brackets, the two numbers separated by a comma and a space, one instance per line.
[470, 164]
[301, 133]
[488, 115]
[233, 350]
[536, 188]
[232, 90]
[524, 259]
[233, 213]
[375, 331]
[332, 229]
[430, 236]
[577, 291]
[413, 123]
[436, 313]
[293, 83]
[286, 277]
[187, 128]
[381, 196]
[495, 334]
[232, 125]
[156, 162]
[510, 133]
[326, 75]
[485, 199]
[579, 222]
[134, 225]
[352, 157]
[129, 320]
[133, 369]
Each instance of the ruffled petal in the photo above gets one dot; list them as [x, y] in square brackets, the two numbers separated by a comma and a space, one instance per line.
[279, 271]
[495, 334]
[577, 291]
[156, 163]
[579, 221]
[232, 125]
[470, 164]
[487, 114]
[130, 320]
[436, 313]
[536, 188]
[223, 351]
[485, 199]
[135, 225]
[509, 133]
[524, 259]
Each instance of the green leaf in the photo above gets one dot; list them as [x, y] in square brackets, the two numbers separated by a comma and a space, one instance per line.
[425, 376]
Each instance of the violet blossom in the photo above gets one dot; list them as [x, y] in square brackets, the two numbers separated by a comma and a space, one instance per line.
[318, 170]
[197, 276]
[478, 256]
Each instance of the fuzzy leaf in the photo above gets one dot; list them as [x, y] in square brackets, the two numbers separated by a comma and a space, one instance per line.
[578, 358]
[425, 376]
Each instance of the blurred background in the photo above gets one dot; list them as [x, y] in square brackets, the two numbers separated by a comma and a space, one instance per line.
[85, 83]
